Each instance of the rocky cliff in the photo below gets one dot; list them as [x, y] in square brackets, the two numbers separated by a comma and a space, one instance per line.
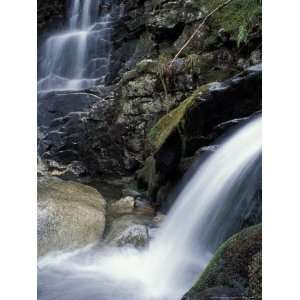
[153, 115]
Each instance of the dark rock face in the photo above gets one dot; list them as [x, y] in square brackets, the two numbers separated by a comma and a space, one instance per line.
[81, 127]
[110, 134]
[235, 269]
[51, 14]
[213, 110]
[107, 129]
[145, 27]
[54, 106]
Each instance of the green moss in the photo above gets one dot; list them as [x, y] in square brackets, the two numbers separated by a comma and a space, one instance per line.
[237, 18]
[165, 126]
[129, 75]
[230, 264]
[195, 63]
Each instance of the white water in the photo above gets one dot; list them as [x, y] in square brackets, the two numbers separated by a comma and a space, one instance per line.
[77, 58]
[205, 213]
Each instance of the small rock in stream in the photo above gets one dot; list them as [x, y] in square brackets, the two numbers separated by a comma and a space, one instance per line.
[129, 230]
[123, 206]
[136, 236]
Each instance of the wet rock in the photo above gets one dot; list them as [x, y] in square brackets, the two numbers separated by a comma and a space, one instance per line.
[143, 207]
[54, 105]
[89, 135]
[235, 98]
[235, 265]
[76, 170]
[243, 63]
[207, 149]
[70, 215]
[132, 193]
[107, 127]
[51, 15]
[136, 236]
[127, 231]
[186, 163]
[123, 206]
[41, 167]
[255, 57]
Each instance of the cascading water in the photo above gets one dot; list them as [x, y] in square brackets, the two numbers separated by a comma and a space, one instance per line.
[206, 212]
[78, 58]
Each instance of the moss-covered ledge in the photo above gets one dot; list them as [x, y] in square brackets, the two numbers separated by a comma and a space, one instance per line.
[194, 124]
[235, 97]
[236, 265]
[172, 120]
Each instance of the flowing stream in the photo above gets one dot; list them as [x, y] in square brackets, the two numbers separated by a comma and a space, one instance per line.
[206, 212]
[78, 58]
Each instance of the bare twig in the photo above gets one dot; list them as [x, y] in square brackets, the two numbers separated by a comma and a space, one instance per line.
[199, 27]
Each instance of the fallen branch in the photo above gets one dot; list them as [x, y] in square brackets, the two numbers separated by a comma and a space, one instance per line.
[199, 27]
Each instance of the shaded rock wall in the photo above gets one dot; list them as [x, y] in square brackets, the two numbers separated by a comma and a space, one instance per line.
[51, 15]
[108, 128]
[178, 135]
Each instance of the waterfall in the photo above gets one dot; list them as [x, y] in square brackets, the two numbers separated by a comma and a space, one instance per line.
[206, 212]
[78, 58]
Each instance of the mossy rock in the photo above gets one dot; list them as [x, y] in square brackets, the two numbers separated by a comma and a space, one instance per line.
[236, 264]
[169, 122]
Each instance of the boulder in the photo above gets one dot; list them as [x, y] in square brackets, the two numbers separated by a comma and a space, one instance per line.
[123, 206]
[70, 215]
[136, 236]
[236, 265]
[128, 231]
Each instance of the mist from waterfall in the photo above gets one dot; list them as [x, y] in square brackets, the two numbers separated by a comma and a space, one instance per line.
[78, 58]
[207, 211]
